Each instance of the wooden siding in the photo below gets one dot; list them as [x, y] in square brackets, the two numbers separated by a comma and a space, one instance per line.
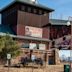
[30, 19]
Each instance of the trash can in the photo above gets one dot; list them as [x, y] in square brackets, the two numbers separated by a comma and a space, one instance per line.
[66, 68]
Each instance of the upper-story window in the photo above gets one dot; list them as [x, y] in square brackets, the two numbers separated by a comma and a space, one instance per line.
[45, 13]
[23, 8]
[26, 8]
[29, 9]
[40, 12]
[32, 10]
[35, 11]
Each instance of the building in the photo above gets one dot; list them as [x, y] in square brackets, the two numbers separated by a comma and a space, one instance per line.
[59, 28]
[25, 21]
[60, 33]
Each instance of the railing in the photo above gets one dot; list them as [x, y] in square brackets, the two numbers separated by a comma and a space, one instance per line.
[49, 52]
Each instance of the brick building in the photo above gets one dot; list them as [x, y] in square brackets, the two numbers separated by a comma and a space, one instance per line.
[25, 21]
[59, 28]
[60, 33]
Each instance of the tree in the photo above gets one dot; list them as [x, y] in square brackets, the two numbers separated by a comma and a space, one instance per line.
[8, 45]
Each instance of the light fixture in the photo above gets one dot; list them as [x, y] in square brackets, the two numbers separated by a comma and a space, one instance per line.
[68, 23]
[33, 0]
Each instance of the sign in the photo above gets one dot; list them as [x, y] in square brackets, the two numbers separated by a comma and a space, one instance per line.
[33, 57]
[42, 46]
[32, 31]
[8, 56]
[33, 46]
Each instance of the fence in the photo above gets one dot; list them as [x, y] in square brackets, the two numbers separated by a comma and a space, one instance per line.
[49, 68]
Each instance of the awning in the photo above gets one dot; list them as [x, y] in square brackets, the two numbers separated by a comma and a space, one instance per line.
[26, 37]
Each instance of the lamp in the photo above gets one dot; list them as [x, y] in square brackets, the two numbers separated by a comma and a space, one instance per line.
[68, 23]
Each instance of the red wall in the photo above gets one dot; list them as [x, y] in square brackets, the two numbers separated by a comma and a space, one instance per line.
[45, 33]
[21, 31]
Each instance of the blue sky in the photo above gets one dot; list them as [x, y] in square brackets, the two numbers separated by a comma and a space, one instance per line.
[62, 7]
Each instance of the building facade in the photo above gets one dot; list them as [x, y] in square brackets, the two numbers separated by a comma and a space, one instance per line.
[26, 23]
[59, 28]
[60, 33]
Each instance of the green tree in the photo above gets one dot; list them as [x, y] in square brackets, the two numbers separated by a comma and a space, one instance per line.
[8, 45]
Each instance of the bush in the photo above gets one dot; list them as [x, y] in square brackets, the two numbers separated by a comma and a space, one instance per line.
[8, 45]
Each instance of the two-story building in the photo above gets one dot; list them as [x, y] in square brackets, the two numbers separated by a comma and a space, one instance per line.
[25, 21]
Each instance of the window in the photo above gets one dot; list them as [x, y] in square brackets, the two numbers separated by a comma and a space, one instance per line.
[40, 12]
[25, 45]
[23, 8]
[51, 60]
[26, 9]
[33, 46]
[35, 11]
[42, 46]
[29, 9]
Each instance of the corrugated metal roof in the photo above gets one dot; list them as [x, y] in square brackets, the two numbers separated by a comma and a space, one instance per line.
[27, 2]
[59, 22]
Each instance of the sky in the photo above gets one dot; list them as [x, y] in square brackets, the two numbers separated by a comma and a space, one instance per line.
[62, 7]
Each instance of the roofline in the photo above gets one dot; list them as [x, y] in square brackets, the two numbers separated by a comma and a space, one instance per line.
[59, 19]
[26, 37]
[61, 23]
[1, 10]
[57, 23]
[35, 5]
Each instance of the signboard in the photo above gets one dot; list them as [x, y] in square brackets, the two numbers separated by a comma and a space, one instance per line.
[33, 46]
[8, 56]
[32, 31]
[42, 46]
[65, 55]
[33, 57]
